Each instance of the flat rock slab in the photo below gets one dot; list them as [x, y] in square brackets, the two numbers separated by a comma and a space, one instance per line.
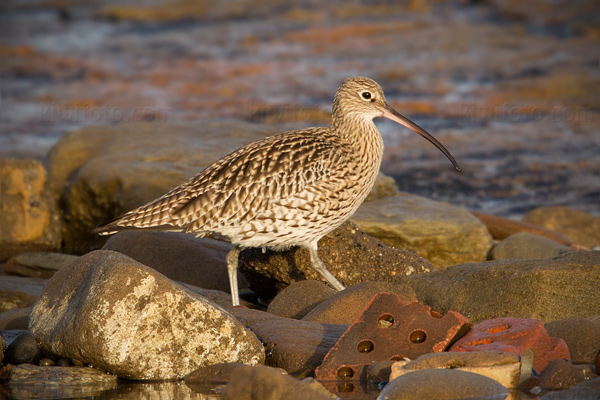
[125, 318]
[29, 381]
[504, 368]
[179, 256]
[514, 335]
[37, 264]
[517, 288]
[350, 254]
[260, 382]
[440, 232]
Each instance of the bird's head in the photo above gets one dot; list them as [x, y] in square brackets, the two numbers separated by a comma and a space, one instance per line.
[362, 99]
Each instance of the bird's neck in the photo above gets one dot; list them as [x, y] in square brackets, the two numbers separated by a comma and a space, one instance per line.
[357, 130]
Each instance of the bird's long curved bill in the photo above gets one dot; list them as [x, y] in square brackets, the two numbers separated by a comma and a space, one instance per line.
[394, 115]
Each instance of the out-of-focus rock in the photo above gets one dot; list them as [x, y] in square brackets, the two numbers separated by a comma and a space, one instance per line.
[504, 368]
[526, 245]
[501, 228]
[443, 234]
[582, 228]
[449, 384]
[28, 216]
[37, 265]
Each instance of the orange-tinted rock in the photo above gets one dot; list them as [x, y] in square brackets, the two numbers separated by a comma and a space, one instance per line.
[514, 335]
[581, 227]
[501, 228]
[25, 209]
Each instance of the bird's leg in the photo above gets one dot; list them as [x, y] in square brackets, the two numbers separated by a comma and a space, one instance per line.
[318, 266]
[232, 265]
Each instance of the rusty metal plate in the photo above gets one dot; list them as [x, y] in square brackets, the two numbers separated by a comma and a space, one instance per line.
[390, 329]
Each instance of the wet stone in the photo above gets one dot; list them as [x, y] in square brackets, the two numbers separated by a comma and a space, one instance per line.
[449, 384]
[249, 383]
[58, 382]
[23, 350]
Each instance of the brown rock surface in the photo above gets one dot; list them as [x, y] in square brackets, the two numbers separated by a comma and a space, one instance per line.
[581, 334]
[582, 228]
[501, 228]
[296, 346]
[516, 288]
[350, 255]
[27, 213]
[298, 299]
[442, 233]
[346, 306]
[179, 256]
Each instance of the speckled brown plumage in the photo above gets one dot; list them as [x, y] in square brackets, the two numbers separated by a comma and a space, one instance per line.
[285, 190]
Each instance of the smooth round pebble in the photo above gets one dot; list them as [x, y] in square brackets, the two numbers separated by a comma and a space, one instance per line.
[46, 362]
[23, 350]
[441, 384]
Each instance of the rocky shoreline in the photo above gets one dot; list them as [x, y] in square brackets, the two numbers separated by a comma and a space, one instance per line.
[148, 306]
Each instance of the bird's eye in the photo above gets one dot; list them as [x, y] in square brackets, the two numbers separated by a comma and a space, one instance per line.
[366, 95]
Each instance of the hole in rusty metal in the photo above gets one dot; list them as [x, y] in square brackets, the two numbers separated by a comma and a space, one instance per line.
[345, 372]
[345, 387]
[397, 358]
[418, 336]
[385, 321]
[365, 346]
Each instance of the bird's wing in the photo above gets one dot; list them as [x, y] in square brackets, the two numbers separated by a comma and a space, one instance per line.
[233, 188]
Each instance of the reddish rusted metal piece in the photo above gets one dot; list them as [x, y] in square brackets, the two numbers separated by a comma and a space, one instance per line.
[389, 329]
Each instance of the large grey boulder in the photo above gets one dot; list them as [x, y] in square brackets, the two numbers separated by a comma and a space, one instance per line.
[125, 318]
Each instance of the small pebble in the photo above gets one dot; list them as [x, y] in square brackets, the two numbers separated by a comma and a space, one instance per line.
[63, 362]
[46, 362]
[77, 363]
